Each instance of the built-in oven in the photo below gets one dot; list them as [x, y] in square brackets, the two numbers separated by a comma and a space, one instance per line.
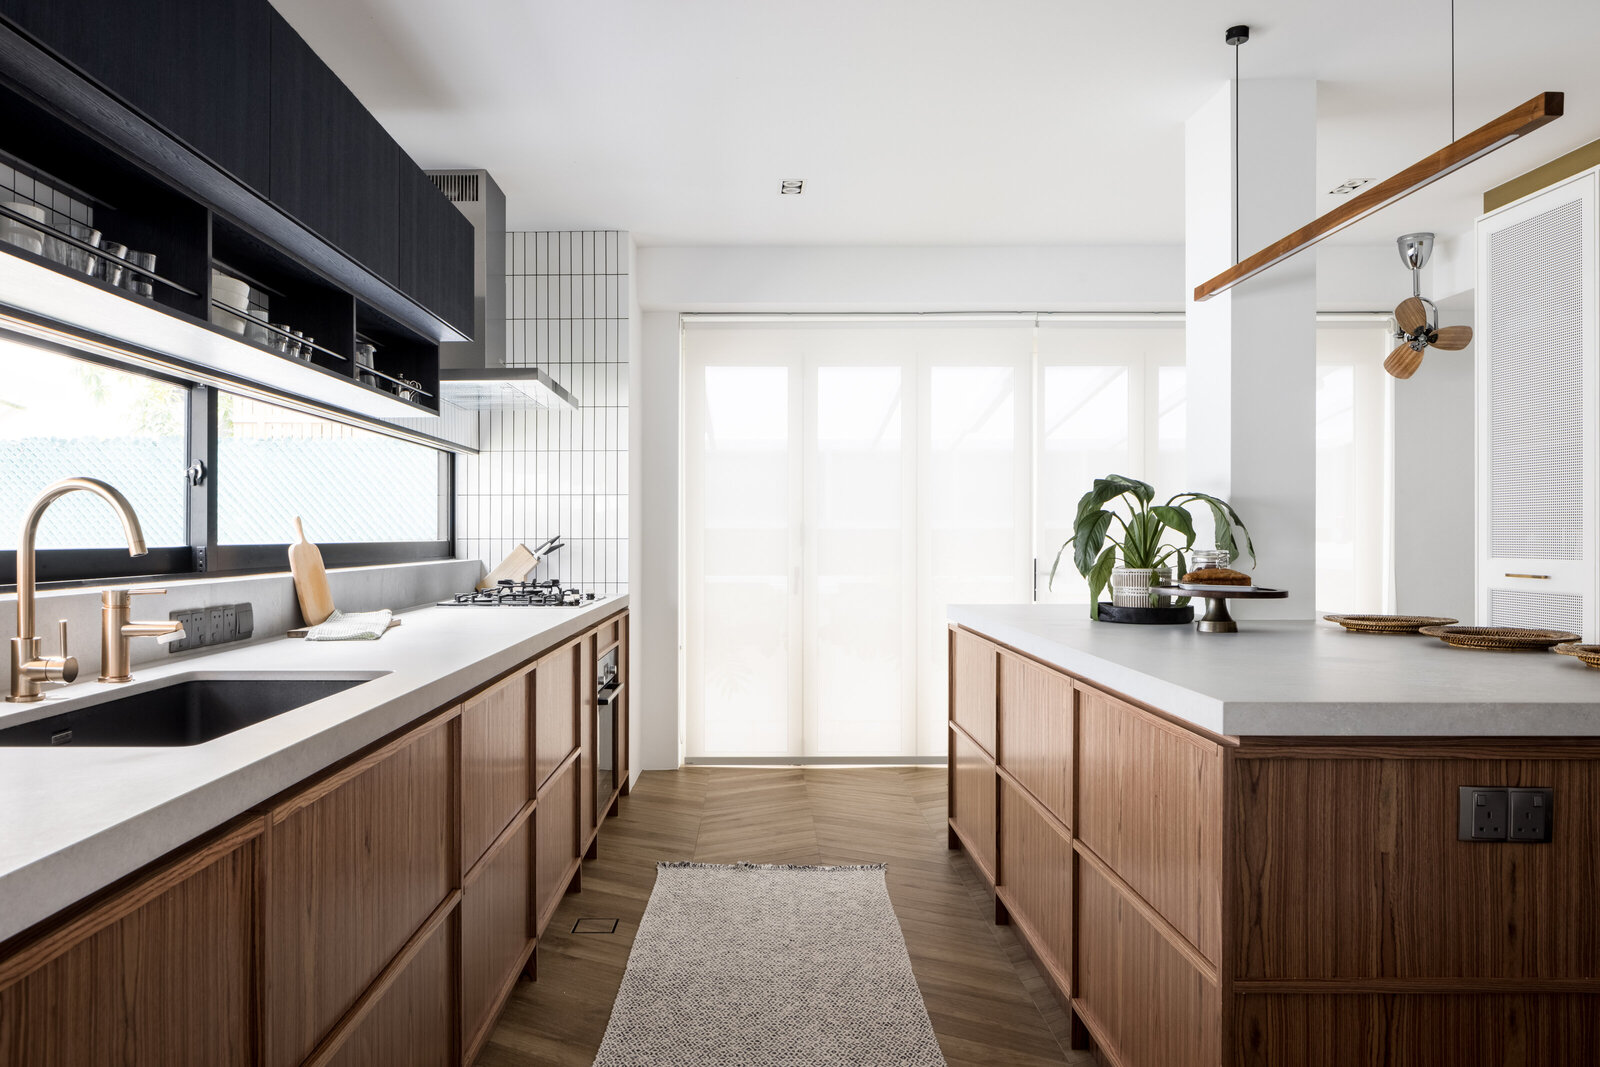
[608, 704]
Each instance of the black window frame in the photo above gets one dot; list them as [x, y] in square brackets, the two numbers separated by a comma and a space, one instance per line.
[203, 556]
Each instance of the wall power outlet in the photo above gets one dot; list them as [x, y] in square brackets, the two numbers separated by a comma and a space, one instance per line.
[212, 626]
[1501, 813]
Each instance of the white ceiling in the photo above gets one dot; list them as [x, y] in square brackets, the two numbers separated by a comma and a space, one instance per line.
[924, 122]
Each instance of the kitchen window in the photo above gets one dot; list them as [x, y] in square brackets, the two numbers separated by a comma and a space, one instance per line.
[348, 484]
[215, 478]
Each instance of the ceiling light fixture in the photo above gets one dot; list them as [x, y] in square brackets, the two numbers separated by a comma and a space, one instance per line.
[1520, 120]
[791, 187]
[1544, 108]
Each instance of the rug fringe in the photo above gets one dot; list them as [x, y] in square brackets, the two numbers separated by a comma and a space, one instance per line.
[682, 864]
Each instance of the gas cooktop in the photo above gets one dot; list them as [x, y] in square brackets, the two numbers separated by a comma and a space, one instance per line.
[509, 594]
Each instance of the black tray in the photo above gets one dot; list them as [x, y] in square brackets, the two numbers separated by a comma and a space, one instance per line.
[1147, 616]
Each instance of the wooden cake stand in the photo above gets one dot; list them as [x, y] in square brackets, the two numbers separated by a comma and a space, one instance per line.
[1216, 619]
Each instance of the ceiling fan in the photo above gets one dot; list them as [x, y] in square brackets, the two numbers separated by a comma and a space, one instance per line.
[1417, 318]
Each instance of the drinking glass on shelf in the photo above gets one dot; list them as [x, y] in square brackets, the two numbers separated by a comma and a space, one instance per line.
[28, 238]
[112, 270]
[135, 282]
[80, 259]
[1209, 557]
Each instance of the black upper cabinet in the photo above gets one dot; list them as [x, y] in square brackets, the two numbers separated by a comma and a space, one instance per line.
[334, 168]
[199, 68]
[436, 254]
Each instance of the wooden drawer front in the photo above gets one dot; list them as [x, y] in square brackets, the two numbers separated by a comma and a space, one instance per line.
[1136, 992]
[555, 841]
[1350, 868]
[973, 666]
[972, 800]
[164, 980]
[1035, 709]
[496, 930]
[496, 780]
[411, 1024]
[1036, 874]
[356, 865]
[1534, 1030]
[555, 709]
[606, 633]
[1150, 806]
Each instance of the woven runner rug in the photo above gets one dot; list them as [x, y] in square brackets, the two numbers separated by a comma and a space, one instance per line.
[760, 966]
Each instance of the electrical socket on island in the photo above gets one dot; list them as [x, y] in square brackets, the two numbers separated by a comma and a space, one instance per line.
[213, 626]
[1502, 813]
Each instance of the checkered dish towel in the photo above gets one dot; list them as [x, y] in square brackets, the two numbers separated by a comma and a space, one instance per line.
[356, 626]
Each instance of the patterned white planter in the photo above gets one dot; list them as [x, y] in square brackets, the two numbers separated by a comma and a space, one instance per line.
[1130, 587]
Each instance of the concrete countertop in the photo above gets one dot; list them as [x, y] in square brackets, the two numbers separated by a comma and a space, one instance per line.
[74, 820]
[1307, 678]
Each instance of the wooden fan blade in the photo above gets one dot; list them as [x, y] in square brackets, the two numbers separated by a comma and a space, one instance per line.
[1403, 361]
[1411, 315]
[1453, 338]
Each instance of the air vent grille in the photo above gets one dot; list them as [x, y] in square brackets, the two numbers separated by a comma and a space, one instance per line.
[1545, 611]
[461, 187]
[1535, 320]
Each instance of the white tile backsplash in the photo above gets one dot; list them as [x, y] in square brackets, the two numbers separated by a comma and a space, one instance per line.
[541, 473]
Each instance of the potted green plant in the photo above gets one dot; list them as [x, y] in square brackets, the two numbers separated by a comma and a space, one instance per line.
[1143, 543]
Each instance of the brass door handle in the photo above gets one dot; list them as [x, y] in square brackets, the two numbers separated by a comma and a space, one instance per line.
[1541, 577]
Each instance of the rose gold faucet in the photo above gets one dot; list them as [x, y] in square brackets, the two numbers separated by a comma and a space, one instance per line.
[116, 629]
[29, 670]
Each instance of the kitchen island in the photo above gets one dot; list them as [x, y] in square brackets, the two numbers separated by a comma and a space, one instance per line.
[1246, 849]
[357, 880]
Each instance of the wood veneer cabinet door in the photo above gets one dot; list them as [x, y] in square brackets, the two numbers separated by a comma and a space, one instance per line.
[1436, 1030]
[555, 709]
[412, 1024]
[496, 767]
[972, 801]
[356, 865]
[1150, 807]
[555, 841]
[1378, 886]
[1036, 880]
[1035, 717]
[1136, 992]
[496, 932]
[163, 972]
[974, 663]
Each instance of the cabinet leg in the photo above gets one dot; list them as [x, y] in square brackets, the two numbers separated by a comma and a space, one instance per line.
[576, 885]
[954, 842]
[530, 970]
[1078, 1038]
[1002, 917]
[616, 804]
[594, 848]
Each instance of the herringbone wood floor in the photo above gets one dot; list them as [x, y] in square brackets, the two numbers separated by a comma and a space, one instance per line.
[988, 1004]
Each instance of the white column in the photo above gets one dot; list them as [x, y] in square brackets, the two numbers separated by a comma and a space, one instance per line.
[1251, 351]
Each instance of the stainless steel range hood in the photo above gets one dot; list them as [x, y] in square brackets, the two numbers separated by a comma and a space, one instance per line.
[473, 374]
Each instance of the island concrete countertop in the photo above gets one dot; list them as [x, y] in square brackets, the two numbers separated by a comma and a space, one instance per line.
[1306, 679]
[75, 819]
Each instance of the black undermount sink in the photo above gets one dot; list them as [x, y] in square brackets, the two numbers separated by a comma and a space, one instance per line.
[187, 712]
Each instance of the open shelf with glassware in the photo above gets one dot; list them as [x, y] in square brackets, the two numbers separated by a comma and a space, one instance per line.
[96, 238]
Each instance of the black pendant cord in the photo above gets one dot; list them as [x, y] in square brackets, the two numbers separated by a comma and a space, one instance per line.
[1236, 151]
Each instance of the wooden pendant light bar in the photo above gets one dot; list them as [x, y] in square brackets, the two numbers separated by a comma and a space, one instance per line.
[1525, 118]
